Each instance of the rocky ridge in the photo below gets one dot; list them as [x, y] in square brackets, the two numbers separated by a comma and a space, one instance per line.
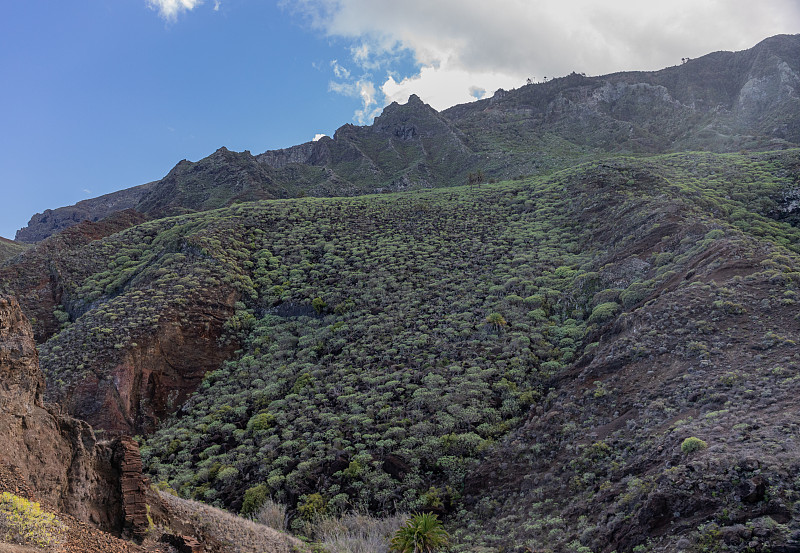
[723, 102]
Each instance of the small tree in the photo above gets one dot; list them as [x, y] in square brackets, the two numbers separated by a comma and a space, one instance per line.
[422, 533]
[496, 320]
[475, 178]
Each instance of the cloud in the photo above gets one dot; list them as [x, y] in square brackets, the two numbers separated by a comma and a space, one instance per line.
[169, 9]
[339, 71]
[318, 136]
[465, 45]
[217, 4]
[364, 90]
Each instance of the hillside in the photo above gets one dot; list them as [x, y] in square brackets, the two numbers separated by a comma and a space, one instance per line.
[10, 248]
[476, 351]
[63, 489]
[722, 102]
[563, 318]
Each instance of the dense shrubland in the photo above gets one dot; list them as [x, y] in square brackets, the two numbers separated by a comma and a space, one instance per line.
[388, 344]
[389, 341]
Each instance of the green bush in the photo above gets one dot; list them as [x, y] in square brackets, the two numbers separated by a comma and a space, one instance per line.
[692, 444]
[422, 533]
[312, 506]
[635, 293]
[261, 421]
[604, 312]
[253, 499]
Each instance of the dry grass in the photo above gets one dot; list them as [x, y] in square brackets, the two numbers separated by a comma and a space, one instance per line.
[355, 533]
[271, 514]
[242, 535]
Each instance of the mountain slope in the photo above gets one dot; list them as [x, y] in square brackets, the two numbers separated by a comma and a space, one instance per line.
[9, 249]
[724, 102]
[398, 351]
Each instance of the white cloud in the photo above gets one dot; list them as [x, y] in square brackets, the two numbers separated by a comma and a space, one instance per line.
[339, 71]
[217, 4]
[169, 9]
[464, 45]
[366, 92]
[318, 136]
[445, 85]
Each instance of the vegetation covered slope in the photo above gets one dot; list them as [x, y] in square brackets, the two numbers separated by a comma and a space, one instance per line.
[478, 351]
[724, 102]
[379, 393]
[9, 249]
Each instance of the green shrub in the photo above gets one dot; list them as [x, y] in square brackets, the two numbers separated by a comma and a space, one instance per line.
[422, 533]
[635, 293]
[254, 498]
[318, 304]
[261, 421]
[496, 320]
[604, 312]
[692, 444]
[312, 506]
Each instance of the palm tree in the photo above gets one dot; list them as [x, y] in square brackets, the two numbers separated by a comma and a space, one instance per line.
[496, 320]
[422, 533]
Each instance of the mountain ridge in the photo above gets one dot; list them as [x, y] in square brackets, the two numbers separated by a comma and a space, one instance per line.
[724, 101]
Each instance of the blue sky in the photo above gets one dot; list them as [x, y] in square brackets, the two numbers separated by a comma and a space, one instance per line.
[100, 95]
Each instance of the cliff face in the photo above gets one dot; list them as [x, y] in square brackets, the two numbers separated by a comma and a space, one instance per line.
[138, 387]
[21, 381]
[51, 221]
[59, 457]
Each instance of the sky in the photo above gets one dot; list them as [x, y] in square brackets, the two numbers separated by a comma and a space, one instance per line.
[101, 95]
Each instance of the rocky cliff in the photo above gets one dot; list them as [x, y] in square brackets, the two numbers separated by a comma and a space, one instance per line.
[57, 456]
[44, 224]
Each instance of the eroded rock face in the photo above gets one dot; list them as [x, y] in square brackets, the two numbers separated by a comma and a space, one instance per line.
[59, 457]
[131, 390]
[51, 221]
[21, 381]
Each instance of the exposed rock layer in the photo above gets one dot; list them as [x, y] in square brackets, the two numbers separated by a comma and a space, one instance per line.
[58, 456]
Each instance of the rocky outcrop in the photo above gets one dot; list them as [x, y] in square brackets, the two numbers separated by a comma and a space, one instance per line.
[21, 381]
[57, 458]
[130, 390]
[133, 487]
[223, 178]
[51, 221]
[309, 153]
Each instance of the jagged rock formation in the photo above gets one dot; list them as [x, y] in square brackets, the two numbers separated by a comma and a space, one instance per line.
[132, 485]
[218, 180]
[723, 102]
[51, 221]
[58, 457]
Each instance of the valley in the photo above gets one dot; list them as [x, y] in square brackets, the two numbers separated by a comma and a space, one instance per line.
[562, 319]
